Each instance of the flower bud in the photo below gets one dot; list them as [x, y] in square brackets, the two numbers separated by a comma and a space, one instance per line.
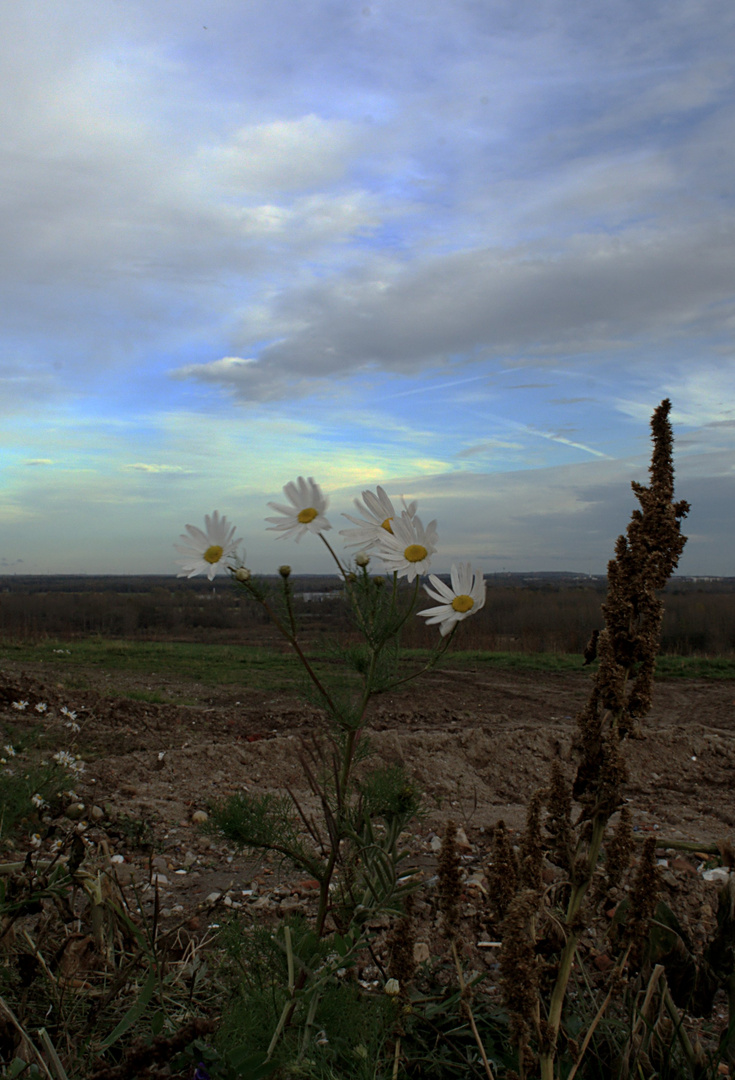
[284, 571]
[392, 988]
[242, 574]
[362, 558]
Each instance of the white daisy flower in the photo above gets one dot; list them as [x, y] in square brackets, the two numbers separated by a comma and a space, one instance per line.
[65, 759]
[408, 548]
[206, 552]
[306, 514]
[21, 706]
[376, 518]
[41, 707]
[9, 750]
[36, 840]
[67, 712]
[38, 801]
[465, 597]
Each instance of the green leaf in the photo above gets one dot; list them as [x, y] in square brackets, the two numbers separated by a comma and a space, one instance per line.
[135, 1012]
[249, 1066]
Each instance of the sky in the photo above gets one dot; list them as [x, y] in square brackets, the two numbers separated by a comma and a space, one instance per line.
[457, 248]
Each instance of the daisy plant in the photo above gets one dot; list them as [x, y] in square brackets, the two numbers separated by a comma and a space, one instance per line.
[352, 849]
[465, 597]
[377, 515]
[206, 552]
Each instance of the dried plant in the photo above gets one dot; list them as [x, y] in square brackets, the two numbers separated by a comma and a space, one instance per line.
[620, 697]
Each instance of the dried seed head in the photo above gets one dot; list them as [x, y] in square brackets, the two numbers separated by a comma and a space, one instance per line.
[502, 875]
[400, 944]
[559, 821]
[519, 969]
[619, 850]
[644, 560]
[643, 901]
[532, 854]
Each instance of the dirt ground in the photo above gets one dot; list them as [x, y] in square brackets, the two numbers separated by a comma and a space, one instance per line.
[477, 743]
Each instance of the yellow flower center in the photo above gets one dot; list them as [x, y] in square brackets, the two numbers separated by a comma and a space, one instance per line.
[415, 553]
[386, 525]
[213, 554]
[463, 603]
[307, 515]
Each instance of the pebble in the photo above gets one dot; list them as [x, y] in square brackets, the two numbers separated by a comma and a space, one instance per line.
[199, 817]
[720, 874]
[421, 952]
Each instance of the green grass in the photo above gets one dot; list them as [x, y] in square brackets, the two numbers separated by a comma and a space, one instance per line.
[269, 669]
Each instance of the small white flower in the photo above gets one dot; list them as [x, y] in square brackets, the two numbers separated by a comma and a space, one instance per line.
[67, 712]
[64, 758]
[377, 514]
[9, 750]
[36, 840]
[206, 552]
[38, 801]
[73, 726]
[21, 706]
[465, 597]
[41, 707]
[408, 548]
[306, 513]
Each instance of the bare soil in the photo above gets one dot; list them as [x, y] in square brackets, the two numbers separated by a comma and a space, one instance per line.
[478, 744]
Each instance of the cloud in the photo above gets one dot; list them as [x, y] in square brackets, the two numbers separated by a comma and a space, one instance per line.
[39, 461]
[291, 155]
[140, 466]
[599, 292]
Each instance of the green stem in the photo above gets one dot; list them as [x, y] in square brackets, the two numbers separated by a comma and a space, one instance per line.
[292, 640]
[579, 892]
[428, 666]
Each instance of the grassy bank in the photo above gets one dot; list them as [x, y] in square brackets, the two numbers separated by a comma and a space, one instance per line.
[266, 668]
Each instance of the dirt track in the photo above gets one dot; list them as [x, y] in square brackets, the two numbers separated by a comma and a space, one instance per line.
[478, 744]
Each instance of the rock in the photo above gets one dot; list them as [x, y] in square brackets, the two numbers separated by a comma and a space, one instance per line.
[307, 888]
[96, 813]
[461, 840]
[421, 952]
[682, 866]
[74, 812]
[719, 874]
[290, 905]
[199, 817]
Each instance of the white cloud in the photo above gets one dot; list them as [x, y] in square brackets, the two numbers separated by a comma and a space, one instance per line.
[145, 467]
[599, 291]
[283, 156]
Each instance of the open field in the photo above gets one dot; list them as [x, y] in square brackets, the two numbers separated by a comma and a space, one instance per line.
[167, 728]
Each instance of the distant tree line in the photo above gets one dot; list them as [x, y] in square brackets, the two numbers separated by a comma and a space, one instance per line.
[544, 616]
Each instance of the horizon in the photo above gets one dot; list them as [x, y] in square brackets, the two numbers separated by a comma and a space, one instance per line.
[461, 253]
